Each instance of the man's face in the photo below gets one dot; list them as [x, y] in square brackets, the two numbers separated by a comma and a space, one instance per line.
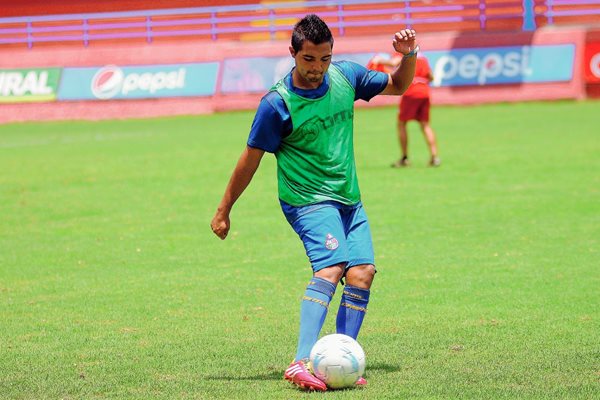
[312, 61]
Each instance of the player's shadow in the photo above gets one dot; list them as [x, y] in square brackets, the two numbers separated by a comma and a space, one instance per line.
[276, 375]
[383, 367]
[269, 376]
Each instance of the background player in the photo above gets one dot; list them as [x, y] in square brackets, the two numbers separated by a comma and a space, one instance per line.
[415, 104]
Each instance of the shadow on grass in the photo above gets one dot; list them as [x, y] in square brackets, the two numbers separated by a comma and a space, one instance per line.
[270, 376]
[382, 367]
[278, 375]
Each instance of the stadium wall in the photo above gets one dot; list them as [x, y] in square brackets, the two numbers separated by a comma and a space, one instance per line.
[45, 7]
[476, 68]
[591, 63]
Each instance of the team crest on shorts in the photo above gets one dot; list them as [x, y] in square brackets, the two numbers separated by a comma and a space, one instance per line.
[331, 243]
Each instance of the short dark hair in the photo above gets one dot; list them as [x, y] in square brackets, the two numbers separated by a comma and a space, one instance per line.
[313, 29]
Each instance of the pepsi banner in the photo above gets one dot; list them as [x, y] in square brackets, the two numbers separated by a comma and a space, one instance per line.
[138, 82]
[258, 74]
[454, 67]
[502, 65]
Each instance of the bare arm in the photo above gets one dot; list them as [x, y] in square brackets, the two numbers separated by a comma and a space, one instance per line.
[400, 79]
[239, 181]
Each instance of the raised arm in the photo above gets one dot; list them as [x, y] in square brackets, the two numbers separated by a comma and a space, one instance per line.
[401, 77]
[240, 178]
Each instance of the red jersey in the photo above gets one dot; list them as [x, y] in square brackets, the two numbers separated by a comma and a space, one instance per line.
[376, 66]
[419, 88]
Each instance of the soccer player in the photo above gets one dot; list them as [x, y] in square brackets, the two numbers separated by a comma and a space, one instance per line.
[414, 105]
[306, 120]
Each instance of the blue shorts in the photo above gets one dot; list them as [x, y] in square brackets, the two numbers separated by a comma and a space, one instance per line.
[332, 233]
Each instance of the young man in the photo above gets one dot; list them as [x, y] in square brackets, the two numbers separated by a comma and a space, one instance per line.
[306, 120]
[414, 105]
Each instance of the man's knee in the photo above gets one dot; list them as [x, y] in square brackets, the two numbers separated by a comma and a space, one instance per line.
[361, 276]
[332, 273]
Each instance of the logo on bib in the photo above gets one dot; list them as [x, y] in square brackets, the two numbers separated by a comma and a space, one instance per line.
[330, 242]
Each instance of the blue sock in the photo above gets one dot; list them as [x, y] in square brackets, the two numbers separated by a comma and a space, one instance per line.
[313, 311]
[351, 313]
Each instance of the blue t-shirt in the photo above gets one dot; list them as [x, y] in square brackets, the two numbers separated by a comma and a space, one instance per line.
[272, 121]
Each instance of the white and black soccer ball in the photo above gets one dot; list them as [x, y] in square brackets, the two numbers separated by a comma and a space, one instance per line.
[338, 360]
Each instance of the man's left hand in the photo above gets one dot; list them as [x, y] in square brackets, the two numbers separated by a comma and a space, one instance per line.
[404, 41]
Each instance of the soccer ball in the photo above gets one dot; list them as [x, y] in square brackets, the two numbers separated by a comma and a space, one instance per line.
[338, 360]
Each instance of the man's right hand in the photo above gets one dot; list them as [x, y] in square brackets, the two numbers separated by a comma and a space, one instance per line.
[241, 177]
[220, 224]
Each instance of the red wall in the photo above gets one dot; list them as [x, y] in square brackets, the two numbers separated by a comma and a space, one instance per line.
[12, 8]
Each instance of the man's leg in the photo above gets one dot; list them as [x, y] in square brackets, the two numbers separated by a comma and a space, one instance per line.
[403, 140]
[359, 274]
[428, 133]
[313, 311]
[315, 304]
[355, 299]
[320, 228]
[353, 305]
[406, 112]
[431, 142]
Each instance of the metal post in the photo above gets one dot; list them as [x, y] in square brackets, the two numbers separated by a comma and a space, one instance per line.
[482, 19]
[528, 15]
[271, 25]
[29, 36]
[549, 11]
[341, 19]
[213, 26]
[149, 29]
[85, 33]
[407, 14]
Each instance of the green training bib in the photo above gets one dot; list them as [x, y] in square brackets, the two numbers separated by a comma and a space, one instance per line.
[315, 162]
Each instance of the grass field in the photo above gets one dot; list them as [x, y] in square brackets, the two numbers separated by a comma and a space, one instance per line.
[112, 285]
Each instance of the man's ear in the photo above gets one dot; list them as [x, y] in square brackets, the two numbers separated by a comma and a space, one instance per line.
[292, 52]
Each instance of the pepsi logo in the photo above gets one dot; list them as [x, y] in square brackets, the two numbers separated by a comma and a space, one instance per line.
[107, 82]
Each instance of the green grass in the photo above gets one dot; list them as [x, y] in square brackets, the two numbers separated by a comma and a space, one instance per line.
[112, 285]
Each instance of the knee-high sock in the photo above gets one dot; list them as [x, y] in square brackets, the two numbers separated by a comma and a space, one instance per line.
[351, 313]
[313, 311]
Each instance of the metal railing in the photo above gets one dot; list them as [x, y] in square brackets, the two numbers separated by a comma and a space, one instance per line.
[275, 20]
[554, 10]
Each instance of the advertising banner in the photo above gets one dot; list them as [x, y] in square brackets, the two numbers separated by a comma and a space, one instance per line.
[592, 62]
[258, 74]
[453, 67]
[28, 85]
[502, 65]
[138, 82]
